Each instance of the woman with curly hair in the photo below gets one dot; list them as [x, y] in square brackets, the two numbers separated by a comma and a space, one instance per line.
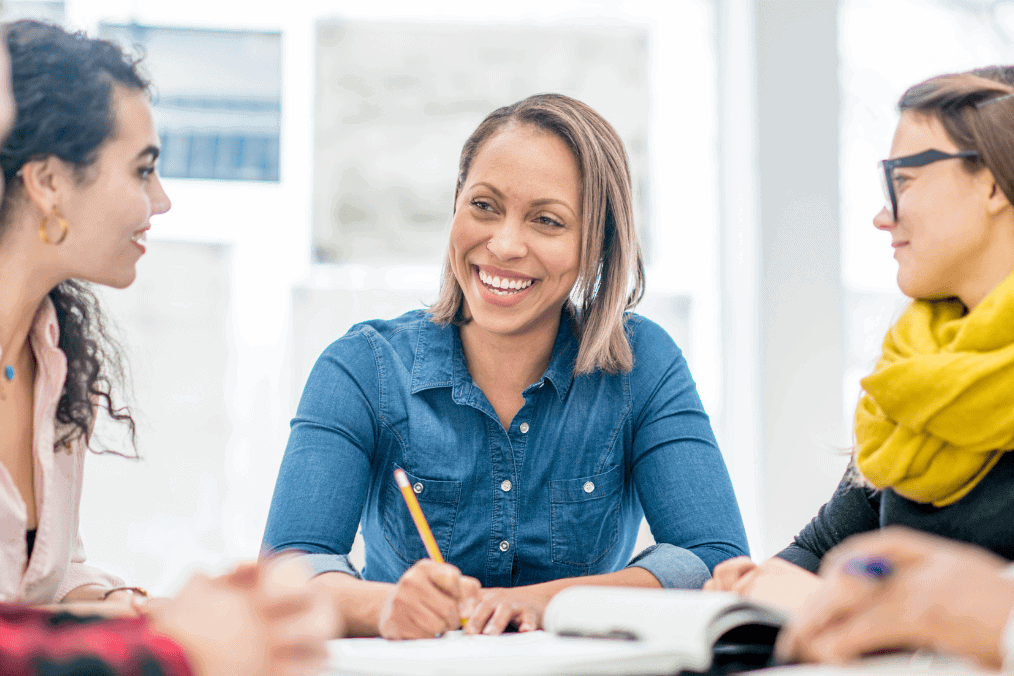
[81, 186]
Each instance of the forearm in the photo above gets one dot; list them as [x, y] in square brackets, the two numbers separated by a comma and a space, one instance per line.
[358, 601]
[86, 592]
[628, 577]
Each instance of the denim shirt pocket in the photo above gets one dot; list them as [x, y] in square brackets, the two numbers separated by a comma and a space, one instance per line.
[439, 502]
[585, 516]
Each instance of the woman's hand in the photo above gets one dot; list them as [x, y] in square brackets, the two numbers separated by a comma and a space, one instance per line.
[940, 594]
[498, 608]
[733, 575]
[96, 600]
[260, 620]
[427, 601]
[775, 582]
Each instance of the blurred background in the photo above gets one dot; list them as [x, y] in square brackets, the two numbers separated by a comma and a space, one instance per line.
[310, 150]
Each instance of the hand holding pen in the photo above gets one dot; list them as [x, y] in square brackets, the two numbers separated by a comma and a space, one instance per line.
[428, 598]
[898, 588]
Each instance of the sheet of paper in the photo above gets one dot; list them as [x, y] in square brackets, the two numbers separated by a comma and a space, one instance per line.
[525, 654]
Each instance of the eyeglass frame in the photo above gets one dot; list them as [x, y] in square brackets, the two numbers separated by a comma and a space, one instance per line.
[917, 160]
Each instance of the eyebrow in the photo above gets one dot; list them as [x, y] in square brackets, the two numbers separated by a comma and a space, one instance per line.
[150, 150]
[536, 203]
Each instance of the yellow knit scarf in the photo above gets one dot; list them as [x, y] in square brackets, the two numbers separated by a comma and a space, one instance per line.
[938, 411]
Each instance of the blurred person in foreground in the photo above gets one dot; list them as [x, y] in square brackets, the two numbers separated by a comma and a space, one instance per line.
[935, 594]
[537, 417]
[80, 181]
[934, 425]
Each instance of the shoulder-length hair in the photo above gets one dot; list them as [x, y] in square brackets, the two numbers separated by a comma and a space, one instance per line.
[976, 109]
[611, 274]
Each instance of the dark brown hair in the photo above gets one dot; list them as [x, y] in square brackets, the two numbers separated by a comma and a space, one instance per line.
[63, 89]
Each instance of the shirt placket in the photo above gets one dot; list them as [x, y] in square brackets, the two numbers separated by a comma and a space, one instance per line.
[508, 460]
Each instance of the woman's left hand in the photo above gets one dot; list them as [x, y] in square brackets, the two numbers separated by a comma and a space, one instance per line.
[500, 607]
[939, 594]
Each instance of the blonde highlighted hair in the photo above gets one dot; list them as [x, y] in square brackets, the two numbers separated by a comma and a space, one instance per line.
[611, 276]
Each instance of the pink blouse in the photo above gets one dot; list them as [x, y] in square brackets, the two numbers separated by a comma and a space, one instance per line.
[57, 564]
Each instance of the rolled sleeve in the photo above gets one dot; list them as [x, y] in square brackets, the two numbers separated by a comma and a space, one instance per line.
[330, 563]
[674, 567]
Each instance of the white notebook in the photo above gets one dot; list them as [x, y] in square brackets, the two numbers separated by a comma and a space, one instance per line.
[655, 632]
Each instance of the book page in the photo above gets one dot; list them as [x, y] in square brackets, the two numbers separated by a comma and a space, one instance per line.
[688, 621]
[536, 653]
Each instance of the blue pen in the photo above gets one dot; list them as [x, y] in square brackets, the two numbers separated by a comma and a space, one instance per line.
[869, 567]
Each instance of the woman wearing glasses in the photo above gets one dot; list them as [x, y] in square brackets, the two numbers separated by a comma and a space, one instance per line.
[934, 423]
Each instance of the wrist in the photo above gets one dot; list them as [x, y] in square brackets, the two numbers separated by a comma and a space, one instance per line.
[359, 602]
[125, 593]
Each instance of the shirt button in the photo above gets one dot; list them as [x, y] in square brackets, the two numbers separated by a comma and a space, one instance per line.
[524, 428]
[418, 487]
[506, 485]
[504, 545]
[588, 486]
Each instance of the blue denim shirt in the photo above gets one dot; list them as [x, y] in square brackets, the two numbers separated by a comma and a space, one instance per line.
[558, 494]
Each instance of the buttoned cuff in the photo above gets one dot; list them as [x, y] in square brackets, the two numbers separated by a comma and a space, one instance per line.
[674, 567]
[330, 563]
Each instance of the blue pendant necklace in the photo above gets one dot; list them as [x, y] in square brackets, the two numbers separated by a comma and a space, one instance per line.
[9, 372]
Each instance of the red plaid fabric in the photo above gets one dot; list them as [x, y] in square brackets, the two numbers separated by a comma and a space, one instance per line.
[40, 643]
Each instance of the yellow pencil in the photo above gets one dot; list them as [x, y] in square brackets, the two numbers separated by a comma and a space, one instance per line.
[420, 520]
[417, 515]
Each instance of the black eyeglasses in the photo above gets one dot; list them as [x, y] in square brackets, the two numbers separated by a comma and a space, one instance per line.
[917, 160]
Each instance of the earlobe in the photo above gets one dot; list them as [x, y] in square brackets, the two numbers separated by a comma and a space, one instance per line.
[997, 200]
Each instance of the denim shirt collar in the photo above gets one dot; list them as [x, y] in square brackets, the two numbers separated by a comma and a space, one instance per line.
[440, 360]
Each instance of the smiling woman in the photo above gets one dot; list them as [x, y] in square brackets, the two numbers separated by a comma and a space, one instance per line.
[78, 166]
[933, 427]
[536, 418]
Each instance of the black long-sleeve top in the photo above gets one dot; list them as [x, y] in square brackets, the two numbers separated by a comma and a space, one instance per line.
[984, 517]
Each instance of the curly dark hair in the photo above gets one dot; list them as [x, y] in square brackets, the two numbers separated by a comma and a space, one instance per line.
[63, 89]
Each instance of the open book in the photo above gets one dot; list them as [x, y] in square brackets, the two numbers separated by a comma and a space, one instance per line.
[590, 631]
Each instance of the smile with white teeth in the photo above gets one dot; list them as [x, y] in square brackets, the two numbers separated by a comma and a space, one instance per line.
[140, 236]
[504, 286]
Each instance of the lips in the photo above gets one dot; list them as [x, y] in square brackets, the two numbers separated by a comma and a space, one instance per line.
[504, 285]
[501, 288]
[140, 237]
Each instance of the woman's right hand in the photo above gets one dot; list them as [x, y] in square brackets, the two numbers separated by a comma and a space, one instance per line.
[260, 620]
[735, 575]
[427, 601]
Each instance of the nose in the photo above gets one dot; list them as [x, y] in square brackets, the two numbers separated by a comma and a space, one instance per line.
[159, 200]
[884, 220]
[507, 242]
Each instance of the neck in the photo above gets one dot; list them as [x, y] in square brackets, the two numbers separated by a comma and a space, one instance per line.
[993, 265]
[512, 362]
[26, 278]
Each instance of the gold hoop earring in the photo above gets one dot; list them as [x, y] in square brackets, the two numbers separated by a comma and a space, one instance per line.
[61, 221]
